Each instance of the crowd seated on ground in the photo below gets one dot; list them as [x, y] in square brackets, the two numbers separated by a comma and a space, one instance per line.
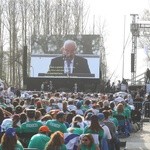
[59, 118]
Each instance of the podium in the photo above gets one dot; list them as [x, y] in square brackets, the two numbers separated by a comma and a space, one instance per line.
[65, 75]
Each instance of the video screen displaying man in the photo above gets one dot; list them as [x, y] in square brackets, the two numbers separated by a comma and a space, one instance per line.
[50, 57]
[69, 63]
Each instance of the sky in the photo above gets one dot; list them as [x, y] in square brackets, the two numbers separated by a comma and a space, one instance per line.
[116, 15]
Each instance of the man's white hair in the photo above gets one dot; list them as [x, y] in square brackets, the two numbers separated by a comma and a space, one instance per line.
[67, 42]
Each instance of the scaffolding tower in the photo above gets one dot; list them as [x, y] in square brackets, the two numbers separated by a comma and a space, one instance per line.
[137, 30]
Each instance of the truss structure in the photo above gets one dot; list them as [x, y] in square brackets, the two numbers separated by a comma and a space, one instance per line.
[137, 30]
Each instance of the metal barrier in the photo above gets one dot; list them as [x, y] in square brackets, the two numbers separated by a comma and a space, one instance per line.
[31, 149]
[146, 106]
[138, 113]
[138, 106]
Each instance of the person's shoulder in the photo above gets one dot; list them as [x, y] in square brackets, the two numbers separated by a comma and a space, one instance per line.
[86, 128]
[35, 136]
[80, 59]
[39, 123]
[23, 124]
[49, 121]
[63, 147]
[19, 145]
[39, 135]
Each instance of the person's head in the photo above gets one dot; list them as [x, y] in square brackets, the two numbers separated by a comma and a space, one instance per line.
[100, 117]
[30, 113]
[46, 117]
[69, 117]
[88, 115]
[9, 139]
[77, 121]
[73, 112]
[100, 103]
[56, 140]
[15, 119]
[87, 102]
[95, 126]
[60, 116]
[69, 49]
[51, 101]
[15, 103]
[38, 115]
[106, 104]
[78, 118]
[120, 108]
[23, 117]
[78, 104]
[53, 113]
[9, 109]
[22, 102]
[87, 140]
[43, 111]
[64, 104]
[18, 109]
[106, 114]
[112, 105]
[44, 130]
[38, 104]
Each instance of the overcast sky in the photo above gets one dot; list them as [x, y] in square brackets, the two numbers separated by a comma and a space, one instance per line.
[116, 14]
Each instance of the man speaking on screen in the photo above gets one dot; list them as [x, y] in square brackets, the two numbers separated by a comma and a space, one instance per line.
[69, 63]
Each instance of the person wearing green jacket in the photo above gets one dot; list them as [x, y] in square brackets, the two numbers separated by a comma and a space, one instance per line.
[40, 139]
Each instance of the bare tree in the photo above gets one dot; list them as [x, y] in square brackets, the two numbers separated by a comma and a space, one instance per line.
[24, 20]
[1, 40]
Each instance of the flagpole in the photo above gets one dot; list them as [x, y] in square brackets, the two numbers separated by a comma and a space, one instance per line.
[123, 48]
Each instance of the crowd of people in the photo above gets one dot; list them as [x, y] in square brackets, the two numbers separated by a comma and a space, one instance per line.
[65, 121]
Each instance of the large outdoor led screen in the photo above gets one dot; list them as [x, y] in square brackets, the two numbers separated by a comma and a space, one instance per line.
[45, 49]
